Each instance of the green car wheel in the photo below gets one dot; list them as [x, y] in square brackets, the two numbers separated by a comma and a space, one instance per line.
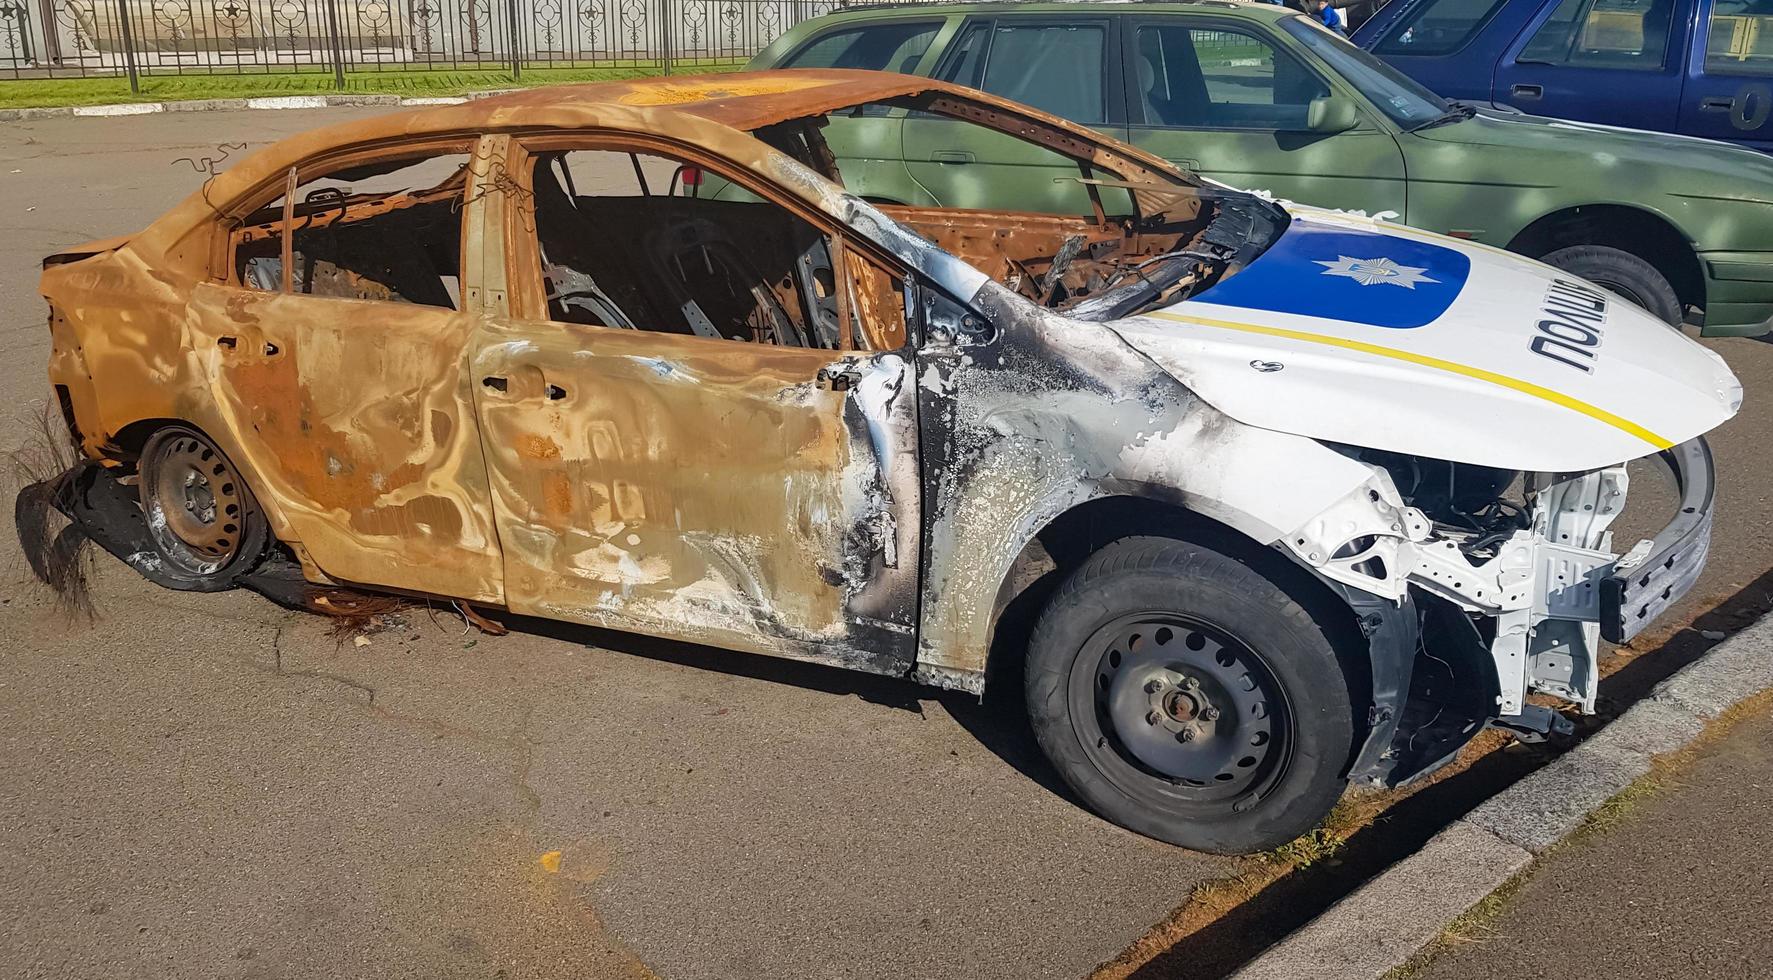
[1622, 274]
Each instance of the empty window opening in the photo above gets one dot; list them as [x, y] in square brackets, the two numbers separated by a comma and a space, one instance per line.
[1152, 235]
[626, 241]
[386, 230]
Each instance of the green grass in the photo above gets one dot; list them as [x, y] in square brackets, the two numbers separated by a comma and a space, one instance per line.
[51, 92]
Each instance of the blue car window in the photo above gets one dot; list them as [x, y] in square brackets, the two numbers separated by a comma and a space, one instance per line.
[1438, 27]
[1221, 79]
[1055, 68]
[1630, 34]
[1740, 38]
[880, 47]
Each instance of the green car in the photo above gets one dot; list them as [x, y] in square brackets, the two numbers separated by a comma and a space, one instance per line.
[1261, 98]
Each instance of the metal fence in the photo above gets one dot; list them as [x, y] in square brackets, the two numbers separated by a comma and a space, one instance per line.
[85, 38]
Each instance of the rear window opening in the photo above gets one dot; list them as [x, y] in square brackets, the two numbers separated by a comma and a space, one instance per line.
[389, 230]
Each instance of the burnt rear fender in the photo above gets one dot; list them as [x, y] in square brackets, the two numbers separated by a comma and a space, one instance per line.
[86, 251]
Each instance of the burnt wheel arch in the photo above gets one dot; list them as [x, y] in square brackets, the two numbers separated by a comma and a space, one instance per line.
[1641, 233]
[132, 438]
[111, 511]
[1065, 543]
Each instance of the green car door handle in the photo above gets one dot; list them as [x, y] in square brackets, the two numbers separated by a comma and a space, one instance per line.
[951, 156]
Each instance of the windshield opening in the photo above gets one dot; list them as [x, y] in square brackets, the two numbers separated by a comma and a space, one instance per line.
[1397, 95]
[1055, 168]
[1089, 227]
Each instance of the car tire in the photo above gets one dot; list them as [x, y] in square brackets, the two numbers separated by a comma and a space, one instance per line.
[1622, 274]
[205, 526]
[1152, 637]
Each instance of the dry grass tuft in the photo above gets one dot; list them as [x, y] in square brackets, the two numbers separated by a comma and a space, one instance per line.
[57, 551]
[355, 614]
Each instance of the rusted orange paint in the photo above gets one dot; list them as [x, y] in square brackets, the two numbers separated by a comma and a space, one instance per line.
[533, 446]
[682, 486]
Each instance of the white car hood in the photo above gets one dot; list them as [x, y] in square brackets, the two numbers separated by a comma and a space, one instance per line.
[1386, 337]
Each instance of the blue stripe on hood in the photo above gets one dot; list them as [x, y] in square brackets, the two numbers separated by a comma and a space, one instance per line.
[1355, 276]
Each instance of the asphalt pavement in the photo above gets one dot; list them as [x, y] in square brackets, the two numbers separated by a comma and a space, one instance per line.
[209, 786]
[1674, 883]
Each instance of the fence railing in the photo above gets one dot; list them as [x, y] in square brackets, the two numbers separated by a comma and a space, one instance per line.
[84, 38]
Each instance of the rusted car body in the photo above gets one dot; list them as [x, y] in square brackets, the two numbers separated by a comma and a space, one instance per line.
[867, 457]
[356, 426]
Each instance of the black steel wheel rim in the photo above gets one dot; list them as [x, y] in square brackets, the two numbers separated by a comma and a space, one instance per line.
[193, 502]
[1171, 706]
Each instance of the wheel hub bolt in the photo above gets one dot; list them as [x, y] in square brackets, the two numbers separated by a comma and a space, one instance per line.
[1152, 718]
[1191, 683]
[1153, 686]
[1210, 713]
[1186, 734]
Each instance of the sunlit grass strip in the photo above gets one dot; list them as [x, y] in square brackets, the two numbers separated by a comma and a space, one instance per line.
[58, 92]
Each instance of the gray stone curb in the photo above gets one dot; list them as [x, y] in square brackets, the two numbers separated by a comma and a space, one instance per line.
[16, 115]
[1391, 918]
[1360, 935]
[234, 105]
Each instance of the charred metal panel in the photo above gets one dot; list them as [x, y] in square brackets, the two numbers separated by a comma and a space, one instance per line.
[358, 419]
[120, 352]
[753, 497]
[1026, 414]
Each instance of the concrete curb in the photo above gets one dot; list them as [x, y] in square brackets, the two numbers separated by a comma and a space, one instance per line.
[1391, 918]
[235, 105]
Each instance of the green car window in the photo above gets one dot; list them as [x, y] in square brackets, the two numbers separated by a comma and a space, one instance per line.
[1053, 67]
[880, 47]
[1221, 79]
[967, 61]
[1396, 94]
[1603, 34]
[1739, 40]
[1438, 27]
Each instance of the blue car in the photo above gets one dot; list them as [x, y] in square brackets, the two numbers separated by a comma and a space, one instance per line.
[1695, 67]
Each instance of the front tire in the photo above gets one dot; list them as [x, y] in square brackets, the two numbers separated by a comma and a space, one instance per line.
[1622, 274]
[1184, 696]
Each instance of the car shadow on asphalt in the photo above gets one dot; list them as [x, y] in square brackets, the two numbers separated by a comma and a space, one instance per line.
[996, 720]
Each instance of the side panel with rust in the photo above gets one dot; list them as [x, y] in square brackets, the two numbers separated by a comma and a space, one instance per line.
[120, 350]
[703, 490]
[357, 417]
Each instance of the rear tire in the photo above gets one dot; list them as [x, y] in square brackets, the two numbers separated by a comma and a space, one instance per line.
[203, 521]
[1624, 275]
[1188, 698]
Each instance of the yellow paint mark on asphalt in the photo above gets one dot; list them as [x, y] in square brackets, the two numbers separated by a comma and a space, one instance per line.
[550, 862]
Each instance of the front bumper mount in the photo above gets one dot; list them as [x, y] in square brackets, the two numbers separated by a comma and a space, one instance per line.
[1633, 596]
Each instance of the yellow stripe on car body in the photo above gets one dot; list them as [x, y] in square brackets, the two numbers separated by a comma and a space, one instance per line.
[1451, 367]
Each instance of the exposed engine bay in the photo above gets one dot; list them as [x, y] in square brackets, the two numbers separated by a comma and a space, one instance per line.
[1509, 581]
[1175, 238]
[1477, 507]
[1105, 268]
